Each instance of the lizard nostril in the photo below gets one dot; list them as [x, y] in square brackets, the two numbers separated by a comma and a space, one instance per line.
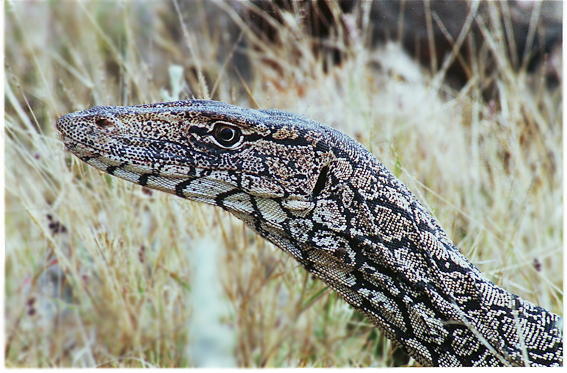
[104, 123]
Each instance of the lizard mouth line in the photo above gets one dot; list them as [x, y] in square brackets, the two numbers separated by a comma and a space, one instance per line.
[110, 149]
[154, 161]
[102, 159]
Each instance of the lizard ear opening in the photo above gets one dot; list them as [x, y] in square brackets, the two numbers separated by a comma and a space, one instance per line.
[321, 181]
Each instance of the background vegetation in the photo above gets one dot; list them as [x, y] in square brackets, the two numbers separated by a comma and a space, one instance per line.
[100, 272]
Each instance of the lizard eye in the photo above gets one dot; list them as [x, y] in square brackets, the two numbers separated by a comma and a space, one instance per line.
[227, 136]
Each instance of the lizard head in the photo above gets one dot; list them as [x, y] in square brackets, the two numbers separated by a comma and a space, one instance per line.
[206, 151]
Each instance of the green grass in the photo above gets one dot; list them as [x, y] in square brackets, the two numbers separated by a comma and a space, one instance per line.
[121, 293]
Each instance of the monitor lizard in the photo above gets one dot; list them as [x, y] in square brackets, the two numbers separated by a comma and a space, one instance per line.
[327, 201]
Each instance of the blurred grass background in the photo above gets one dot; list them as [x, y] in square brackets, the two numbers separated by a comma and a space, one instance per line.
[100, 272]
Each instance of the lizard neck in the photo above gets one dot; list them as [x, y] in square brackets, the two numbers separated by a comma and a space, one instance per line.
[369, 238]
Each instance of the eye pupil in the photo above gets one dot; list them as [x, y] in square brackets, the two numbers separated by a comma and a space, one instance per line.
[226, 135]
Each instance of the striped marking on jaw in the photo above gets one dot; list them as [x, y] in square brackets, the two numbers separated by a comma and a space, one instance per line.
[127, 175]
[271, 210]
[202, 188]
[240, 202]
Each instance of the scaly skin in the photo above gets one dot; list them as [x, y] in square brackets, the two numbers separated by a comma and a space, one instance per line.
[320, 196]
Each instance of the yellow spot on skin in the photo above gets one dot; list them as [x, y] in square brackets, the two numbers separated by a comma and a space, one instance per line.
[285, 133]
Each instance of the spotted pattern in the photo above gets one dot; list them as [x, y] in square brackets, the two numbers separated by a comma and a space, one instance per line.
[327, 201]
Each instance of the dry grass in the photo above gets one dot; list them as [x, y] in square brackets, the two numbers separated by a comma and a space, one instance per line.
[114, 287]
